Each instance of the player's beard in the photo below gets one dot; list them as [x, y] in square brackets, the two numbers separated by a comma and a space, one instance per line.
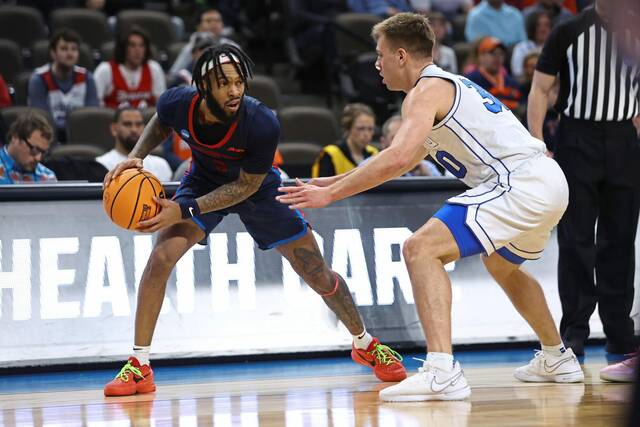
[218, 111]
[129, 143]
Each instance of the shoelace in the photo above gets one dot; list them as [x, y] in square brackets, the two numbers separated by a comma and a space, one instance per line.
[126, 369]
[385, 354]
[422, 369]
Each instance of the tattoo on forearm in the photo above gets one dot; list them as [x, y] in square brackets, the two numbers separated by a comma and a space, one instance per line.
[310, 265]
[232, 193]
[152, 136]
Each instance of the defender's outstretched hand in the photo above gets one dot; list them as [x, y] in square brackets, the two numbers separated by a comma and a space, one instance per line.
[170, 214]
[304, 196]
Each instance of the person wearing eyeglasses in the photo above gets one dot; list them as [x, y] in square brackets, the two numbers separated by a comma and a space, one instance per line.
[359, 123]
[29, 139]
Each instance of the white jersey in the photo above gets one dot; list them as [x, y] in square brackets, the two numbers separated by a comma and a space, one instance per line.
[479, 140]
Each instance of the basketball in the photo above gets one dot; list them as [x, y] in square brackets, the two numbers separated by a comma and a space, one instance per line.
[128, 199]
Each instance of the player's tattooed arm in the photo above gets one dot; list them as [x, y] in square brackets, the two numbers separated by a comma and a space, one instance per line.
[152, 136]
[232, 193]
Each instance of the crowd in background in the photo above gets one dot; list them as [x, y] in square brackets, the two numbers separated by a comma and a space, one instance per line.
[297, 44]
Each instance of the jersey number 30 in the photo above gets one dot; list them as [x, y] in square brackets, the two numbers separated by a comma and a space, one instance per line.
[493, 104]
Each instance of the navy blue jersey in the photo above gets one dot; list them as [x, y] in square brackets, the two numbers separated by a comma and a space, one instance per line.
[219, 151]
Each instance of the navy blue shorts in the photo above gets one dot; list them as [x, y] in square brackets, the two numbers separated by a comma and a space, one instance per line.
[268, 221]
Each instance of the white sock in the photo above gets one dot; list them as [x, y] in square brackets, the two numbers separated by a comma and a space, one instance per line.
[554, 350]
[141, 353]
[442, 361]
[362, 340]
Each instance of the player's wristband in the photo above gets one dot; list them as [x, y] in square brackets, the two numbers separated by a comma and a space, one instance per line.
[189, 208]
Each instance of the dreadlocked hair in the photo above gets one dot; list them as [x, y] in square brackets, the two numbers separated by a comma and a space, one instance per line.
[211, 57]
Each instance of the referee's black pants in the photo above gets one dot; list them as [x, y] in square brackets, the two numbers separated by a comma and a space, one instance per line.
[601, 161]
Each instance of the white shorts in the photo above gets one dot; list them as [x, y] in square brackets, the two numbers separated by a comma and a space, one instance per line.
[518, 217]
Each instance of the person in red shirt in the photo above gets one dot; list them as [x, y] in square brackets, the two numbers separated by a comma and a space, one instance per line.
[131, 77]
[5, 98]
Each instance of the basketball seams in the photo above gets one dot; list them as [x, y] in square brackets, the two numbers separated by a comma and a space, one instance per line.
[124, 184]
[135, 206]
[153, 187]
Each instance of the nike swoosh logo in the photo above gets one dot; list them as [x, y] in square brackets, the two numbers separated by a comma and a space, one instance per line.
[449, 382]
[191, 210]
[551, 368]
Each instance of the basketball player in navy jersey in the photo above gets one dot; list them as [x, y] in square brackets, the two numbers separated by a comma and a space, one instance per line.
[233, 139]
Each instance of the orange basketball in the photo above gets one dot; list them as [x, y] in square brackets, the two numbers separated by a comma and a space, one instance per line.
[128, 199]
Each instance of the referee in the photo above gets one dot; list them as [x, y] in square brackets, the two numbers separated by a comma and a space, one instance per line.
[597, 148]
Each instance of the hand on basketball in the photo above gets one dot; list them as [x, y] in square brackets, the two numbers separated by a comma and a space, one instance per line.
[304, 196]
[134, 163]
[169, 214]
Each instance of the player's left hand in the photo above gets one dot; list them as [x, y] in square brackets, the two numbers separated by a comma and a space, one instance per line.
[170, 213]
[304, 196]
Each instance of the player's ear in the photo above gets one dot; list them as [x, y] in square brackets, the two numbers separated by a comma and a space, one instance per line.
[402, 55]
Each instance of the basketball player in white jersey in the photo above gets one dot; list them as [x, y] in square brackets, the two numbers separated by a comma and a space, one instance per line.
[517, 196]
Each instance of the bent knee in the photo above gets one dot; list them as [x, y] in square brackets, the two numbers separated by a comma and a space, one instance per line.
[498, 267]
[421, 247]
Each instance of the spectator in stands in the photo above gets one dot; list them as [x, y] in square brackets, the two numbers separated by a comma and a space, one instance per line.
[491, 74]
[5, 97]
[528, 67]
[443, 56]
[538, 29]
[451, 8]
[61, 85]
[183, 76]
[29, 137]
[126, 128]
[209, 25]
[494, 18]
[358, 123]
[389, 130]
[554, 8]
[382, 8]
[131, 77]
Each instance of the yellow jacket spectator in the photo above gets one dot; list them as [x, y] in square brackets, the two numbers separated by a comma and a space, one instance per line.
[358, 122]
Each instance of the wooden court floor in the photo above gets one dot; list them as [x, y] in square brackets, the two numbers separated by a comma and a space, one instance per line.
[497, 400]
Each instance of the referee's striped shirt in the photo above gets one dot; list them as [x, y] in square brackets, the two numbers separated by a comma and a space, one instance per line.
[596, 83]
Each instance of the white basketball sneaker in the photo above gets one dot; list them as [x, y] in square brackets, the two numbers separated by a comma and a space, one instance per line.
[545, 368]
[430, 383]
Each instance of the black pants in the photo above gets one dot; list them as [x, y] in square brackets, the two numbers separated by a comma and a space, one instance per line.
[602, 164]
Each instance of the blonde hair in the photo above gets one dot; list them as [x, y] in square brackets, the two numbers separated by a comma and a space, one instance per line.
[352, 111]
[409, 31]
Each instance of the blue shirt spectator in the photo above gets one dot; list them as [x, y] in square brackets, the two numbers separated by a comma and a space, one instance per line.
[496, 19]
[383, 8]
[29, 139]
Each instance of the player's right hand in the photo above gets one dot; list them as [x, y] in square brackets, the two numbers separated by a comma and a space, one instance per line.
[133, 163]
[318, 182]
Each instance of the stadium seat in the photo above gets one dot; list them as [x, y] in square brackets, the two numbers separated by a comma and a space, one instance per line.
[315, 125]
[40, 55]
[91, 125]
[23, 25]
[10, 114]
[266, 90]
[147, 113]
[90, 24]
[76, 151]
[458, 25]
[353, 34]
[21, 88]
[11, 63]
[156, 24]
[298, 158]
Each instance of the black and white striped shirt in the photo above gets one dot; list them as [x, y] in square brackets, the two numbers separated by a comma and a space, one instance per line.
[596, 83]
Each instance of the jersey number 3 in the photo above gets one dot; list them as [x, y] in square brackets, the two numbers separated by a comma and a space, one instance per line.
[493, 104]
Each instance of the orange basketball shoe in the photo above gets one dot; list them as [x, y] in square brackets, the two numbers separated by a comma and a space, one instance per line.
[386, 363]
[131, 379]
